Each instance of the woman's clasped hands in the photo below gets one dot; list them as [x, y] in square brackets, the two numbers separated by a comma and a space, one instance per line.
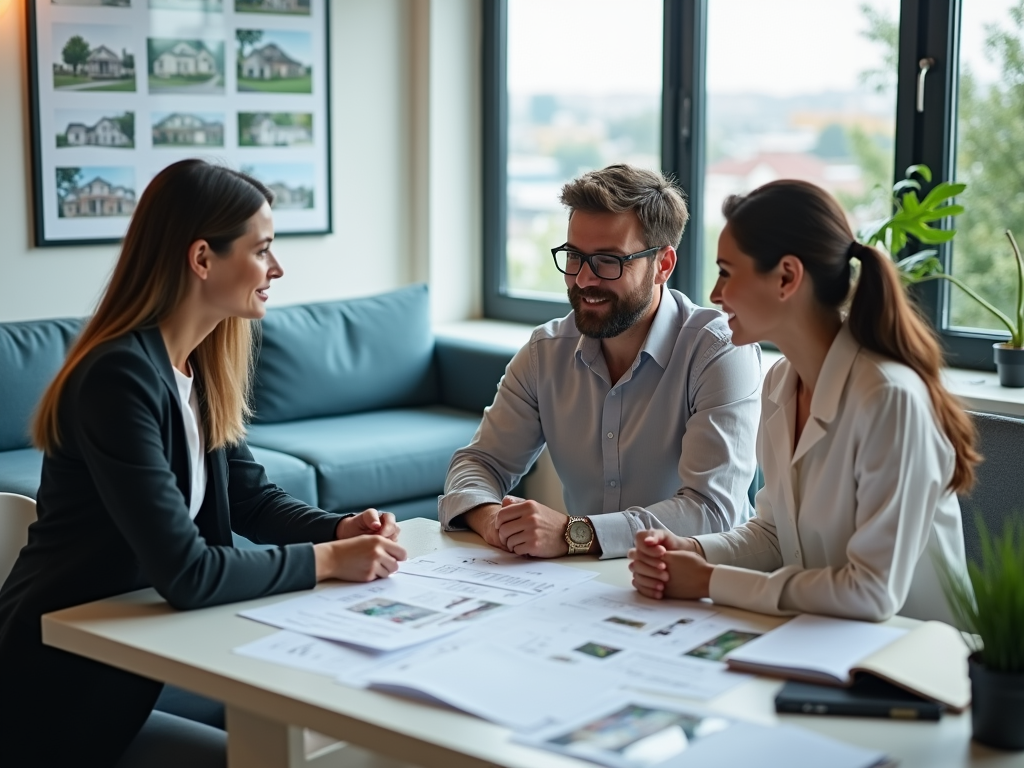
[666, 565]
[366, 549]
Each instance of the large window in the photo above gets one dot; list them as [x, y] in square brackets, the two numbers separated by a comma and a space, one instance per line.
[728, 94]
[584, 91]
[823, 110]
[989, 157]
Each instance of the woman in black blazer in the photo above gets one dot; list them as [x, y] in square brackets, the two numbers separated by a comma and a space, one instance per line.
[117, 510]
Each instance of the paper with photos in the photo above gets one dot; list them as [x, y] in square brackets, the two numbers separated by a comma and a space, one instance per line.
[634, 732]
[389, 614]
[595, 632]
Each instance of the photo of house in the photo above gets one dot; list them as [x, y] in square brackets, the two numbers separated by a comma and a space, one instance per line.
[81, 128]
[188, 129]
[274, 61]
[278, 129]
[185, 66]
[300, 7]
[291, 183]
[95, 191]
[92, 57]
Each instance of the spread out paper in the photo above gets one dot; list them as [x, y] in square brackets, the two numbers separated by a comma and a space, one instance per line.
[407, 609]
[929, 660]
[311, 654]
[501, 570]
[555, 656]
[633, 732]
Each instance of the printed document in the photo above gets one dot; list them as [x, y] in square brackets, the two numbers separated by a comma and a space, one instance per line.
[633, 732]
[407, 608]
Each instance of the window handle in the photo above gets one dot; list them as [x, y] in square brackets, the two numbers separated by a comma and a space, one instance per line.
[923, 66]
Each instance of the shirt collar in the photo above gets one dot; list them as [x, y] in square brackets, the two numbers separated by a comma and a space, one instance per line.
[831, 380]
[660, 341]
[834, 373]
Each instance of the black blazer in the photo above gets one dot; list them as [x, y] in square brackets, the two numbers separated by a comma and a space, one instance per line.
[113, 517]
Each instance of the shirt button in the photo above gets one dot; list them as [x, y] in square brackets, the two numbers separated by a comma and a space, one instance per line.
[797, 553]
[611, 435]
[615, 392]
[612, 483]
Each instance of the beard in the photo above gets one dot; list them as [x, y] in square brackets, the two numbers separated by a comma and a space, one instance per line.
[622, 314]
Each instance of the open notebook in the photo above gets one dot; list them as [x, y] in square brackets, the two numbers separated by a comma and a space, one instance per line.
[929, 660]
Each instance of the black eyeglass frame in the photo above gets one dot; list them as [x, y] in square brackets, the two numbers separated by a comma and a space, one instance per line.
[587, 258]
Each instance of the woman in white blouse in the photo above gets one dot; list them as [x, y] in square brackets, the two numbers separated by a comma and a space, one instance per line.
[862, 449]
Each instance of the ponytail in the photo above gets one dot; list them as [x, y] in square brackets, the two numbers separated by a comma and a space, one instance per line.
[795, 217]
[884, 320]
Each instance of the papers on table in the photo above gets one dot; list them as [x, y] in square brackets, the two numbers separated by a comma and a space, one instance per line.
[554, 657]
[496, 569]
[311, 654]
[431, 597]
[633, 732]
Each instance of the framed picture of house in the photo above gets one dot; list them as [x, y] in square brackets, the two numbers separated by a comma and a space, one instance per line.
[122, 88]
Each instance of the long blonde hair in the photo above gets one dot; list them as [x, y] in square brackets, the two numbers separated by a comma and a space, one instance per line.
[798, 218]
[187, 201]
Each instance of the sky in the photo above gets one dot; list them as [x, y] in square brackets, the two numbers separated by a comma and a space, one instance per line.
[781, 48]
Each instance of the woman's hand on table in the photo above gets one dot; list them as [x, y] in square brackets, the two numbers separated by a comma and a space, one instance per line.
[666, 565]
[360, 558]
[369, 521]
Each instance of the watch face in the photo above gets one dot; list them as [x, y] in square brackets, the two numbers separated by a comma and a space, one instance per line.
[580, 533]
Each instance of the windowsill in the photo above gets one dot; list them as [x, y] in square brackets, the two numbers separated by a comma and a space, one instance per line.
[979, 390]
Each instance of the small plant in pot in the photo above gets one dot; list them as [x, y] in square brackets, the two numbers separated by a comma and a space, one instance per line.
[912, 219]
[989, 602]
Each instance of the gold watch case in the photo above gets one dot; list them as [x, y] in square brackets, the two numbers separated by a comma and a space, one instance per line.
[579, 535]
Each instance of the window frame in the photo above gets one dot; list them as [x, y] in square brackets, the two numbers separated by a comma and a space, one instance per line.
[928, 28]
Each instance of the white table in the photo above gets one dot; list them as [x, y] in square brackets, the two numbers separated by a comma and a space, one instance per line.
[268, 706]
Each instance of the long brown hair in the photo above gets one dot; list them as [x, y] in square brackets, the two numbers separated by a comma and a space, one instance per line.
[798, 218]
[187, 201]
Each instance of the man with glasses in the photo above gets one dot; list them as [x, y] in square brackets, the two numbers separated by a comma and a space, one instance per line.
[648, 411]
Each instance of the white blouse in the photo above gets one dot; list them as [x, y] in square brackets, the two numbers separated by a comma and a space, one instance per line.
[196, 440]
[846, 524]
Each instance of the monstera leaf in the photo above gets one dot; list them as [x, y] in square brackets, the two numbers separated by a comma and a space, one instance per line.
[912, 219]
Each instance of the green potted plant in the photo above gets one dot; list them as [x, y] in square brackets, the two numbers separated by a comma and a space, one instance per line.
[989, 602]
[912, 218]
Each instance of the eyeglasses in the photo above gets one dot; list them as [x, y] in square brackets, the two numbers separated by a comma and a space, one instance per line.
[603, 265]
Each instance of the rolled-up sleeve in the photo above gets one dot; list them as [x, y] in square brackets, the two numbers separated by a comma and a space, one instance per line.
[505, 445]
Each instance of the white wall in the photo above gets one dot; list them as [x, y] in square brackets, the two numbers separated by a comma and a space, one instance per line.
[404, 96]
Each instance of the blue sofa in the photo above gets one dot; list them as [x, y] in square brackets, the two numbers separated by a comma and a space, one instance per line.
[357, 403]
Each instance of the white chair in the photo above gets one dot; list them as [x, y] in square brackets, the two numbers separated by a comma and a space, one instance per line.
[17, 513]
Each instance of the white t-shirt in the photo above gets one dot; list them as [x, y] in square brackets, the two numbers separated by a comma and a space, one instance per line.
[196, 442]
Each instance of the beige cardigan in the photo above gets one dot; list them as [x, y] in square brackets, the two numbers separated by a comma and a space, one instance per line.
[846, 522]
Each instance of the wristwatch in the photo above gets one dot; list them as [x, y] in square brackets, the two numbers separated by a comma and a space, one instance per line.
[579, 535]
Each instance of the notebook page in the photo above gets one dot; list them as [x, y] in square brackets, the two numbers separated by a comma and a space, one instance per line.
[930, 660]
[818, 644]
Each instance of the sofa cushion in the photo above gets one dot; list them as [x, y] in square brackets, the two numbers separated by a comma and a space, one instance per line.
[295, 476]
[369, 459]
[31, 353]
[345, 357]
[20, 471]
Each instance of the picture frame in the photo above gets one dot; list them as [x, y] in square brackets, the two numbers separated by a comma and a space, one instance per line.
[120, 89]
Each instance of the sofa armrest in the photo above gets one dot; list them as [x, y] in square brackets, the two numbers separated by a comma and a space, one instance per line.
[469, 371]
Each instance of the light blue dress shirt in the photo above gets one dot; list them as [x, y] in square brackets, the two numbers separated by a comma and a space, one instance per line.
[669, 445]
